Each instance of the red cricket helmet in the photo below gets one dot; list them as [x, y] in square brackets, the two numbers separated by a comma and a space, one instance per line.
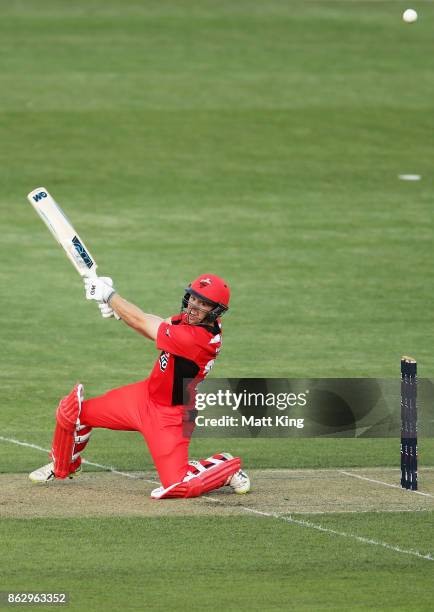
[211, 289]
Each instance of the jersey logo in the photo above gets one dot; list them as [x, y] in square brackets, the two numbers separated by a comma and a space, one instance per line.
[207, 369]
[164, 360]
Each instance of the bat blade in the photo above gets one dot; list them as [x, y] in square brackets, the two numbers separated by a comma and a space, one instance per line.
[63, 231]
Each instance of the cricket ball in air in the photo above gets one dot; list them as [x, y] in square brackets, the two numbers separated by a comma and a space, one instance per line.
[409, 16]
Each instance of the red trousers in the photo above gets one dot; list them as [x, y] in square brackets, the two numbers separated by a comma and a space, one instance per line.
[129, 408]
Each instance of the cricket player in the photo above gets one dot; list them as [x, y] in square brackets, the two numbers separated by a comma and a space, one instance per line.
[189, 343]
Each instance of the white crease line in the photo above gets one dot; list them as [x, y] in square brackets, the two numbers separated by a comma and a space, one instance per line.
[311, 512]
[115, 471]
[287, 519]
[386, 484]
[104, 467]
[396, 511]
[352, 536]
[320, 512]
[24, 444]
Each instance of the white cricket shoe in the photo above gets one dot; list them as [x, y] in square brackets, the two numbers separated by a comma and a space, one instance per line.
[240, 482]
[46, 474]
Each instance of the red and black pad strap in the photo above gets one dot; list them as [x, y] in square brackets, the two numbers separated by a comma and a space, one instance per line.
[82, 435]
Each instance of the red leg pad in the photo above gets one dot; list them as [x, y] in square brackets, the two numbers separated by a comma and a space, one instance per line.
[67, 415]
[68, 410]
[217, 475]
[62, 450]
[212, 478]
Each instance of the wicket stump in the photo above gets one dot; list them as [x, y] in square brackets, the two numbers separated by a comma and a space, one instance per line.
[408, 423]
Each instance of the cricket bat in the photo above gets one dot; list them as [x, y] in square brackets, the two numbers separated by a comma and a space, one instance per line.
[63, 231]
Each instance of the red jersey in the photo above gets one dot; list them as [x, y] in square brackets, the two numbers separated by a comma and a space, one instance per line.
[187, 352]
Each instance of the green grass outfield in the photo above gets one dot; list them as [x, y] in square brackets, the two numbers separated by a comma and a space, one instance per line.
[195, 564]
[261, 141]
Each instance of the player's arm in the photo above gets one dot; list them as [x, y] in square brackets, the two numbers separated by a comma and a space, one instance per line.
[144, 323]
[101, 290]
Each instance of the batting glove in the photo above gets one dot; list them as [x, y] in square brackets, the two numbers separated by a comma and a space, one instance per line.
[106, 311]
[99, 289]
